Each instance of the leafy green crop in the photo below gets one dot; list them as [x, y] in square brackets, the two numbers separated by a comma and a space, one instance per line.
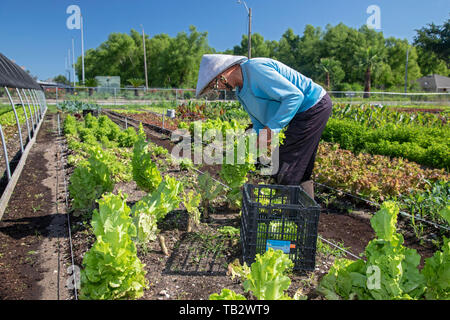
[425, 145]
[226, 294]
[145, 171]
[191, 202]
[73, 106]
[209, 190]
[278, 230]
[154, 207]
[267, 279]
[390, 271]
[88, 183]
[112, 269]
[437, 274]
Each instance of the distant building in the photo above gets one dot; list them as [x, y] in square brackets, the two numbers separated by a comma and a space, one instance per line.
[435, 83]
[108, 83]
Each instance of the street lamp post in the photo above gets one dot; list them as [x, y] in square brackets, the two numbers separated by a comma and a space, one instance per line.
[73, 61]
[406, 71]
[145, 58]
[249, 12]
[82, 49]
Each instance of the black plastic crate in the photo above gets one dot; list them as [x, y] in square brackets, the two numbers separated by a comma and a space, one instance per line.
[281, 217]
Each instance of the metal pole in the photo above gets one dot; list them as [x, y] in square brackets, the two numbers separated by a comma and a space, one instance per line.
[38, 105]
[249, 33]
[406, 71]
[17, 118]
[68, 66]
[145, 58]
[82, 49]
[5, 152]
[25, 113]
[59, 128]
[73, 60]
[29, 108]
[36, 114]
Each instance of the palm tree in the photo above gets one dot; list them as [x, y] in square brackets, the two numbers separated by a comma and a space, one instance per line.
[136, 83]
[325, 66]
[91, 84]
[368, 58]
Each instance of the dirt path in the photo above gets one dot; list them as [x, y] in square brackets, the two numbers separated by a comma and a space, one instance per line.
[33, 231]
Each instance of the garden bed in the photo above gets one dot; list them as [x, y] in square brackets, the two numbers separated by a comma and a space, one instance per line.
[197, 262]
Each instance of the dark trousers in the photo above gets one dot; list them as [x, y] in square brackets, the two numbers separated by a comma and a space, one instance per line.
[298, 152]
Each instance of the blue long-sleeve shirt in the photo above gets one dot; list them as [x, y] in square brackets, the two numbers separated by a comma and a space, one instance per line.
[272, 93]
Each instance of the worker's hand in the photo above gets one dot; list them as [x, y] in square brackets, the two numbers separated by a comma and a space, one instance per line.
[268, 135]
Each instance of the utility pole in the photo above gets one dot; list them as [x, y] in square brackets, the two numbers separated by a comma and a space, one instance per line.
[406, 71]
[249, 12]
[73, 61]
[250, 33]
[145, 58]
[82, 49]
[68, 65]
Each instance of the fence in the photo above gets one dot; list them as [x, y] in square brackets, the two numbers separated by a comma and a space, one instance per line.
[21, 115]
[121, 96]
[143, 96]
[392, 98]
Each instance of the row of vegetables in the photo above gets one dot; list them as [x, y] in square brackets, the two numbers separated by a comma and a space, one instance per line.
[102, 156]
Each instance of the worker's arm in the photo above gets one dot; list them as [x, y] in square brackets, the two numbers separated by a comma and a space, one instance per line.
[256, 124]
[278, 88]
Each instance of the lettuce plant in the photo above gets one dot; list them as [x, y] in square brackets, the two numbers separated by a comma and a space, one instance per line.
[112, 269]
[88, 183]
[209, 190]
[191, 202]
[437, 274]
[145, 171]
[154, 207]
[266, 279]
[390, 271]
[226, 294]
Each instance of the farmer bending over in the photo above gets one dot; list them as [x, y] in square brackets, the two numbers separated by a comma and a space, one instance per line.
[275, 96]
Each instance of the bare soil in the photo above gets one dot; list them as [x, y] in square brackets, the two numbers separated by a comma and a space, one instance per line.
[33, 243]
[32, 231]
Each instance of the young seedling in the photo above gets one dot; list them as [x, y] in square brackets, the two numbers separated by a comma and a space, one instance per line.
[191, 202]
[209, 190]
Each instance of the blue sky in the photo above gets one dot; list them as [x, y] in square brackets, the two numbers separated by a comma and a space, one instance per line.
[34, 33]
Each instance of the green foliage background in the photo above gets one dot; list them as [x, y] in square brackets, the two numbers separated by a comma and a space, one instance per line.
[342, 52]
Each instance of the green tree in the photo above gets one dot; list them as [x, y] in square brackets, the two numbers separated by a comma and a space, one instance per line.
[396, 59]
[436, 39]
[368, 59]
[183, 56]
[288, 49]
[331, 70]
[61, 79]
[91, 84]
[136, 83]
[260, 47]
